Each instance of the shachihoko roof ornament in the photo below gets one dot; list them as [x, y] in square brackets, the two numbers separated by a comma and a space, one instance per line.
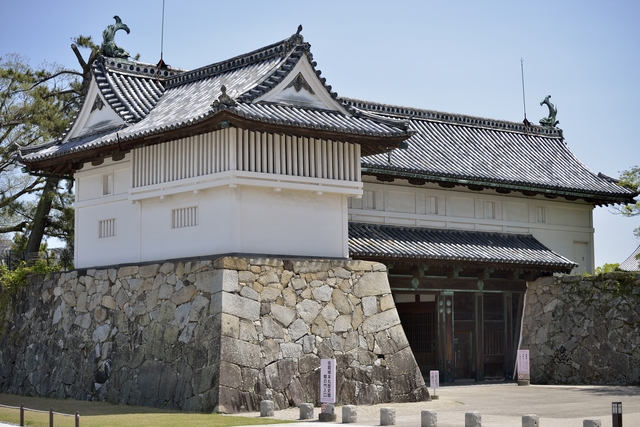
[109, 47]
[549, 121]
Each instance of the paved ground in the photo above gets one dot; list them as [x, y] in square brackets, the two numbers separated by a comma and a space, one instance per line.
[500, 405]
[503, 405]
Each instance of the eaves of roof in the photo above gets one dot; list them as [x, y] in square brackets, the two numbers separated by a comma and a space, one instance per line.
[451, 149]
[373, 136]
[424, 244]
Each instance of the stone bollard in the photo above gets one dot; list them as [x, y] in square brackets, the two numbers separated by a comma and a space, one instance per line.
[266, 408]
[429, 419]
[591, 422]
[306, 411]
[472, 419]
[349, 414]
[387, 416]
[530, 420]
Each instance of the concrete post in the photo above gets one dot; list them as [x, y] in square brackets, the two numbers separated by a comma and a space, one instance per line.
[266, 408]
[387, 416]
[530, 420]
[306, 411]
[429, 418]
[591, 422]
[472, 419]
[349, 414]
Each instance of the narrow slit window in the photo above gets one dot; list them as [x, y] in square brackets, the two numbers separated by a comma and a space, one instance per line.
[490, 210]
[107, 228]
[368, 199]
[107, 184]
[432, 205]
[184, 217]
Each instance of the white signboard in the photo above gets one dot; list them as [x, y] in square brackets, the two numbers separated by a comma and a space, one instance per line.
[523, 362]
[328, 380]
[434, 379]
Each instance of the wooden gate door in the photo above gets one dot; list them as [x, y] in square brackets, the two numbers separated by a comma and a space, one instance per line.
[419, 324]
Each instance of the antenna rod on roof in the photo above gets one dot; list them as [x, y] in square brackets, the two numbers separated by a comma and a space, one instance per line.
[524, 101]
[162, 33]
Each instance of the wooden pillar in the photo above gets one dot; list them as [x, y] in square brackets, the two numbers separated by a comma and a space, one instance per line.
[508, 335]
[445, 336]
[479, 336]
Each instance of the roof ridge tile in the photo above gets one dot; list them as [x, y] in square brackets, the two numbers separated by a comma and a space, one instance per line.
[462, 119]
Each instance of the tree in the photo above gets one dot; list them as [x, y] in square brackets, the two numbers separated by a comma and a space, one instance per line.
[36, 106]
[630, 179]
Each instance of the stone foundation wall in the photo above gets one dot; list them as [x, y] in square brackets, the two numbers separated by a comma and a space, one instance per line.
[210, 335]
[583, 330]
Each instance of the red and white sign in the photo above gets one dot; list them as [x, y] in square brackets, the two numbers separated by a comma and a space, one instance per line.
[523, 362]
[328, 380]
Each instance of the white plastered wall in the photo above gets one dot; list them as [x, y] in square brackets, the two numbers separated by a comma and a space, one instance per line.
[563, 226]
[265, 218]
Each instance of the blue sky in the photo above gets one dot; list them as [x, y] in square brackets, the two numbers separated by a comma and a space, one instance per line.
[454, 56]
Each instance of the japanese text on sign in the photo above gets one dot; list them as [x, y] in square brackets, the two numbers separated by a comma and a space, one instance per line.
[523, 362]
[328, 381]
[434, 379]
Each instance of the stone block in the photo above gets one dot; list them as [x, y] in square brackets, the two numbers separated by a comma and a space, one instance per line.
[369, 306]
[291, 350]
[372, 284]
[240, 353]
[302, 267]
[230, 375]
[386, 302]
[217, 280]
[591, 422]
[473, 419]
[127, 271]
[282, 314]
[266, 408]
[100, 314]
[146, 271]
[230, 325]
[308, 310]
[342, 323]
[341, 302]
[356, 265]
[183, 295]
[329, 313]
[349, 414]
[298, 329]
[236, 305]
[428, 418]
[271, 329]
[387, 416]
[249, 292]
[380, 321]
[530, 420]
[231, 263]
[323, 293]
[306, 411]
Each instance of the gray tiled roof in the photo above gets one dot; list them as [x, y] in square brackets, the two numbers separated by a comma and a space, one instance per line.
[473, 150]
[387, 241]
[632, 263]
[131, 88]
[188, 97]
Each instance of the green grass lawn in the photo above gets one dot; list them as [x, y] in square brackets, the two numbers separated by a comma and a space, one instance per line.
[100, 414]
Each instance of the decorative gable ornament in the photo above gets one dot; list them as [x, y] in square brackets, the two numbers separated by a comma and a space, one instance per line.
[299, 83]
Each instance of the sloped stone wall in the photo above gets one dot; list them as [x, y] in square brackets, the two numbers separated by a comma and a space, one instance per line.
[210, 335]
[583, 330]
